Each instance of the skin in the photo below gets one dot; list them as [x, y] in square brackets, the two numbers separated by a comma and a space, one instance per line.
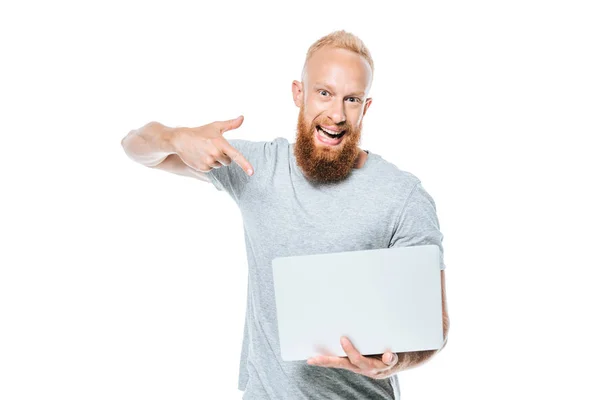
[341, 105]
[382, 366]
[333, 93]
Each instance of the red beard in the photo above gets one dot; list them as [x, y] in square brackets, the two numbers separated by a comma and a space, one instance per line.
[321, 163]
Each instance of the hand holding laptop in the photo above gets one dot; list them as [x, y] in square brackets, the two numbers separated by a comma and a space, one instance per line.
[385, 300]
[376, 367]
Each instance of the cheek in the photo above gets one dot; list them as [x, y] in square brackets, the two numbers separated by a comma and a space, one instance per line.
[309, 118]
[314, 108]
[355, 121]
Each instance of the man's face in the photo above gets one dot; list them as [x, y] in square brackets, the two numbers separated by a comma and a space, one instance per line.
[332, 100]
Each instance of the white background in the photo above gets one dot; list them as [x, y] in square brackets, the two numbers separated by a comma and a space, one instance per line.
[122, 282]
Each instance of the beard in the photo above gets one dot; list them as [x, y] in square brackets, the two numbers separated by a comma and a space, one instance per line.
[322, 163]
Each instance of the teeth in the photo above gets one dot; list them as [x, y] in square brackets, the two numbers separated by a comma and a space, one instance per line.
[326, 138]
[331, 132]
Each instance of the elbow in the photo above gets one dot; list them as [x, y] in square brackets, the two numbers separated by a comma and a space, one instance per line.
[125, 138]
[126, 143]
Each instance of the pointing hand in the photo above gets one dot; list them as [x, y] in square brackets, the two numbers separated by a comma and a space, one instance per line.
[204, 148]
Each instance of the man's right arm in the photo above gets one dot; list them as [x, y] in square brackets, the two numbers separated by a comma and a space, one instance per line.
[152, 146]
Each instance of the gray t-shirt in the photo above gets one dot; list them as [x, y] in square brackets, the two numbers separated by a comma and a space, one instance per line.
[284, 214]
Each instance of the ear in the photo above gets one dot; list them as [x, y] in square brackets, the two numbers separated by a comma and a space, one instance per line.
[367, 105]
[297, 93]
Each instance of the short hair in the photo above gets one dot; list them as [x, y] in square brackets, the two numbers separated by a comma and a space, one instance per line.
[343, 40]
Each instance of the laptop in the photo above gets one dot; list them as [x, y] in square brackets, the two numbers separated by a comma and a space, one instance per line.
[381, 299]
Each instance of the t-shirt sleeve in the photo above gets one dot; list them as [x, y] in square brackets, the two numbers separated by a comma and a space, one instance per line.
[232, 178]
[418, 223]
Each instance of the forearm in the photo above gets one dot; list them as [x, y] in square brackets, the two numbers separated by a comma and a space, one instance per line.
[416, 358]
[412, 359]
[150, 144]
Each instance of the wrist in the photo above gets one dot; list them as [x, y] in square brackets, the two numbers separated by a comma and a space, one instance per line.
[169, 139]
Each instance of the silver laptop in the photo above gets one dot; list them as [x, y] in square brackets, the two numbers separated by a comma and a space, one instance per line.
[383, 299]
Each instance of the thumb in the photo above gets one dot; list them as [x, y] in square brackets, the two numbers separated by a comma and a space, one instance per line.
[390, 358]
[225, 126]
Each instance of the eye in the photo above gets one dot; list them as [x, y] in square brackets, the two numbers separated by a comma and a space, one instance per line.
[357, 100]
[323, 91]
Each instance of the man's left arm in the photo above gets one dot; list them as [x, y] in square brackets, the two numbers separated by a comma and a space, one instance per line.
[417, 224]
[380, 366]
[415, 358]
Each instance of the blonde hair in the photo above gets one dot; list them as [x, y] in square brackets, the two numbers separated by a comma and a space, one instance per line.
[343, 40]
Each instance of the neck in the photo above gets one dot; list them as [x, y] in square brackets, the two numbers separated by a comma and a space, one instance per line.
[361, 159]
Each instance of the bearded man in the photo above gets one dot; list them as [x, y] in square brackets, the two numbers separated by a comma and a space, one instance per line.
[321, 194]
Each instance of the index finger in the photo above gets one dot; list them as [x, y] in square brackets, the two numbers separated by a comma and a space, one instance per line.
[235, 155]
[358, 359]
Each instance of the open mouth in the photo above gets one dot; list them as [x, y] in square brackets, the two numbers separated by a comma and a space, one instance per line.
[328, 137]
[330, 134]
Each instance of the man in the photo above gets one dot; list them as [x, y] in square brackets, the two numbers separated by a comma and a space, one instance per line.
[321, 194]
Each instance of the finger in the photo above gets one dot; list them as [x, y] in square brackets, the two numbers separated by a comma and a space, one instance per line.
[223, 159]
[390, 358]
[355, 357]
[333, 362]
[228, 125]
[389, 362]
[387, 357]
[216, 153]
[385, 362]
[235, 155]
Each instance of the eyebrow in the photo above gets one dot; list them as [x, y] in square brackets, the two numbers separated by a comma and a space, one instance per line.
[326, 86]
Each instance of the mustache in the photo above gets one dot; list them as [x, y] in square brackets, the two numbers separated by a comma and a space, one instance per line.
[342, 126]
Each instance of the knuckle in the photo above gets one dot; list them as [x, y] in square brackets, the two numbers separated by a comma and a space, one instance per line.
[153, 124]
[215, 140]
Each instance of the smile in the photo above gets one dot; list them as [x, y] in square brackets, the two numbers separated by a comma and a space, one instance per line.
[328, 137]
[330, 133]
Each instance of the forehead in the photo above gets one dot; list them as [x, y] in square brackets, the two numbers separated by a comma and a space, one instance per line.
[341, 68]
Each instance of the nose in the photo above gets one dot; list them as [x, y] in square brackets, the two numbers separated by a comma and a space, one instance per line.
[336, 112]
